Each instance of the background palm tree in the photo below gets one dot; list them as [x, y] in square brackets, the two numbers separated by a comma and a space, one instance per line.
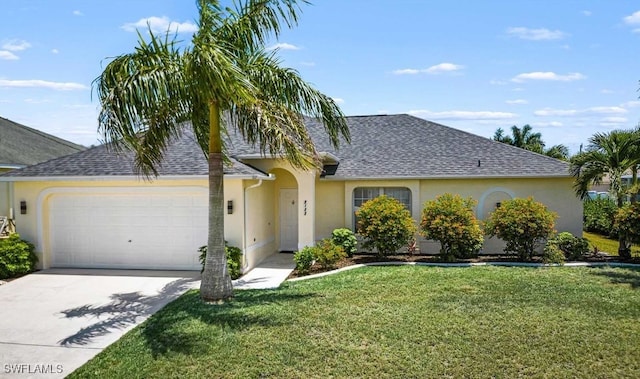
[223, 79]
[525, 139]
[612, 153]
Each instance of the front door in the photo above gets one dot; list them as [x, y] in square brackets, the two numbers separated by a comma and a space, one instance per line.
[288, 219]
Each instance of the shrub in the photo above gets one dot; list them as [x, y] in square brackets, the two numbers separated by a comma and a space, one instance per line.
[346, 239]
[523, 224]
[627, 222]
[572, 247]
[234, 259]
[598, 216]
[328, 253]
[304, 259]
[385, 224]
[17, 257]
[552, 254]
[450, 220]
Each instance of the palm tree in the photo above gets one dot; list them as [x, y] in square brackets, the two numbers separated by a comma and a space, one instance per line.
[525, 139]
[612, 153]
[223, 79]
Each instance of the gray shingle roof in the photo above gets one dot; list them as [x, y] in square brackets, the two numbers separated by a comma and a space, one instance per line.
[404, 146]
[183, 157]
[383, 146]
[22, 146]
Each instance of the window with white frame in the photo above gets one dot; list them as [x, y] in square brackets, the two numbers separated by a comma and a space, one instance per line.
[363, 194]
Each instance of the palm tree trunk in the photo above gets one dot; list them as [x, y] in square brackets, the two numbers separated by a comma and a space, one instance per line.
[216, 282]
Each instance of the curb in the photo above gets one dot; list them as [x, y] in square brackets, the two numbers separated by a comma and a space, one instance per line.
[500, 264]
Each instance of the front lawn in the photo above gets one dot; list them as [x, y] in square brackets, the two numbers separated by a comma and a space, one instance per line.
[401, 322]
[608, 245]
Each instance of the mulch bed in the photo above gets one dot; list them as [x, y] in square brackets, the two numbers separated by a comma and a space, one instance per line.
[373, 258]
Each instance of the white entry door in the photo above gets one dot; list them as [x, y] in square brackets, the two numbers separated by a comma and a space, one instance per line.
[288, 219]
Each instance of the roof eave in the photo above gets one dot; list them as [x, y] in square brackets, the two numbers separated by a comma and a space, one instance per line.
[446, 177]
[104, 178]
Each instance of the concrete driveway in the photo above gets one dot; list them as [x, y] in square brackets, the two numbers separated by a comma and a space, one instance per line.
[53, 321]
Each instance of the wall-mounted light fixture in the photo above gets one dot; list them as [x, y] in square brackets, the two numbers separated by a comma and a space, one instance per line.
[230, 207]
[498, 204]
[23, 207]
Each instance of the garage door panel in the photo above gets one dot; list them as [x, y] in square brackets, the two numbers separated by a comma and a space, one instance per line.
[120, 230]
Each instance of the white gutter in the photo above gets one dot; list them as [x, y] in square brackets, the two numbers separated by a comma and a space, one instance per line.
[104, 178]
[244, 221]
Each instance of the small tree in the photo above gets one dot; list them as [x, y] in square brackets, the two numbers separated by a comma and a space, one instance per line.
[450, 220]
[627, 222]
[523, 224]
[385, 224]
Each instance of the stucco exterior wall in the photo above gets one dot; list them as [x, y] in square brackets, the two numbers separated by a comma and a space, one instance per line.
[260, 235]
[556, 193]
[330, 208]
[5, 195]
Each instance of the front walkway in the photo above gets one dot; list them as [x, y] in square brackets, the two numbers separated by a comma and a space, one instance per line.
[269, 273]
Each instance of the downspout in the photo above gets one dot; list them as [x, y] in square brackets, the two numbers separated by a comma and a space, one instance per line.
[244, 224]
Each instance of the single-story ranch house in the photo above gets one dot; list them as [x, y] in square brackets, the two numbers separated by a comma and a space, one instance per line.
[90, 210]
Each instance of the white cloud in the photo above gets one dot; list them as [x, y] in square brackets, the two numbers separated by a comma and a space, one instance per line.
[535, 34]
[631, 104]
[633, 19]
[587, 13]
[463, 115]
[77, 13]
[54, 51]
[436, 69]
[407, 71]
[338, 100]
[578, 112]
[615, 120]
[34, 83]
[16, 45]
[160, 25]
[283, 46]
[444, 67]
[554, 124]
[517, 101]
[8, 56]
[548, 75]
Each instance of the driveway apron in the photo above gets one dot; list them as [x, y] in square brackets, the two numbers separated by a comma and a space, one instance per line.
[53, 321]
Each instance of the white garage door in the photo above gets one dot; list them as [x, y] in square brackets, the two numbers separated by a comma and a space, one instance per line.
[150, 229]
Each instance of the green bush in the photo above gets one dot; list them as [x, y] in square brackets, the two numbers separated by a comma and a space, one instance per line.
[346, 239]
[552, 254]
[328, 253]
[450, 220]
[234, 259]
[385, 224]
[17, 257]
[598, 216]
[523, 224]
[574, 248]
[304, 259]
[627, 222]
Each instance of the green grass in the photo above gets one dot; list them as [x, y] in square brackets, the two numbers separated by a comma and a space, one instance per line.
[607, 244]
[400, 322]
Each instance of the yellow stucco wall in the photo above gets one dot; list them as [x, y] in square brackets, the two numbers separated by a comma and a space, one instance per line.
[261, 222]
[4, 195]
[556, 193]
[330, 208]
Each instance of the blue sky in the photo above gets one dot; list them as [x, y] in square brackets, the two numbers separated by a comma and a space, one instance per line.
[568, 68]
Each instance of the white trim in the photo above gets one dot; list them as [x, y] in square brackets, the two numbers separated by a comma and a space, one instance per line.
[125, 178]
[42, 196]
[12, 166]
[460, 177]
